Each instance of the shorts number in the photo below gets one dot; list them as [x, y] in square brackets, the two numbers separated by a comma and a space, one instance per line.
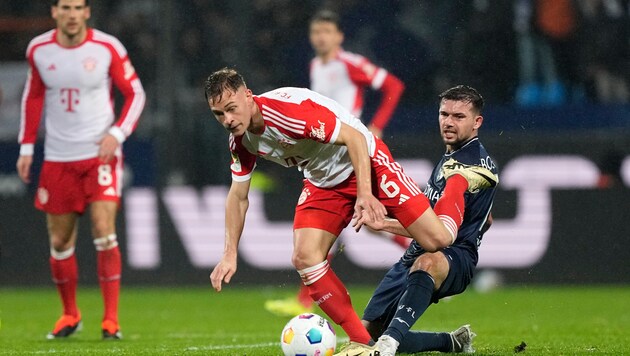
[390, 188]
[105, 175]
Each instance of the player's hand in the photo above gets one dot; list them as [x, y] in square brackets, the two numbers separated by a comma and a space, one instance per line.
[369, 209]
[223, 272]
[377, 225]
[23, 166]
[108, 146]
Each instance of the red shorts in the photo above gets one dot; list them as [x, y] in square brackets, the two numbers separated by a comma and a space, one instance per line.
[331, 209]
[66, 187]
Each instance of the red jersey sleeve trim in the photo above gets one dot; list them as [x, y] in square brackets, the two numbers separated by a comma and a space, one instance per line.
[391, 91]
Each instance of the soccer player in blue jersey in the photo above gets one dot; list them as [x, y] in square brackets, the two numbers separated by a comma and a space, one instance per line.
[420, 278]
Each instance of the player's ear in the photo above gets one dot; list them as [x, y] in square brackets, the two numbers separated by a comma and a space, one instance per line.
[87, 13]
[478, 122]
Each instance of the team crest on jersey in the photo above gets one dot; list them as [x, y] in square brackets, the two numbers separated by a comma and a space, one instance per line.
[236, 163]
[319, 133]
[42, 195]
[89, 64]
[305, 194]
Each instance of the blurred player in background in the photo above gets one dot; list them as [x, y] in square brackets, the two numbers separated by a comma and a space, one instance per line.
[343, 77]
[296, 127]
[423, 277]
[71, 72]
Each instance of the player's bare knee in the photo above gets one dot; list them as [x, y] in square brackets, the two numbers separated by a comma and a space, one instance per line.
[303, 260]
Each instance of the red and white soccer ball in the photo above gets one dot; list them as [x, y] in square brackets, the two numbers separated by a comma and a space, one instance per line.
[308, 335]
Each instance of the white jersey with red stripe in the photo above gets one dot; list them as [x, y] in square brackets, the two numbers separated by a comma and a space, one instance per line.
[73, 87]
[301, 127]
[344, 79]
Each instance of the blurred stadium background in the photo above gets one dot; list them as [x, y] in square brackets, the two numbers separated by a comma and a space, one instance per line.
[557, 122]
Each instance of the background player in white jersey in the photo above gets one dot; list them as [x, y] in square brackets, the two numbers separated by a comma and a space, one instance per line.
[339, 157]
[72, 68]
[343, 77]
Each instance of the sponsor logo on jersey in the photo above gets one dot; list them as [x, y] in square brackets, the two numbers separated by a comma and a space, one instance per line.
[128, 69]
[89, 64]
[236, 163]
[42, 195]
[51, 67]
[110, 191]
[369, 69]
[319, 133]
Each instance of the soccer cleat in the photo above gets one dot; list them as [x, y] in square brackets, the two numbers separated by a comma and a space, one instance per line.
[357, 349]
[111, 330]
[387, 345]
[476, 176]
[65, 326]
[287, 307]
[462, 339]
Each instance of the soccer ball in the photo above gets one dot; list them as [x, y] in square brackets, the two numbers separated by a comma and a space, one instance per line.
[308, 335]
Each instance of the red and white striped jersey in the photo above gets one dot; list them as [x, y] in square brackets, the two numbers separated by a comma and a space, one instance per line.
[344, 79]
[73, 88]
[301, 127]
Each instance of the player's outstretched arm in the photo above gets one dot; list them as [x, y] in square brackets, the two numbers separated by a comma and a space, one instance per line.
[388, 225]
[367, 203]
[236, 206]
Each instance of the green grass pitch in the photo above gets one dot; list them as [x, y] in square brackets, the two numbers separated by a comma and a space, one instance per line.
[198, 321]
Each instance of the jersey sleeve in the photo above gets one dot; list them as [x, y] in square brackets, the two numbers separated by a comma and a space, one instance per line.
[365, 73]
[32, 106]
[242, 162]
[126, 80]
[391, 91]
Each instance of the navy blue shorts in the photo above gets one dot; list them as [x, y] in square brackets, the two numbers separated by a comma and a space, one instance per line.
[384, 301]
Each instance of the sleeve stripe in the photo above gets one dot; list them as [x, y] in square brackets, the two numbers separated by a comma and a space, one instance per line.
[290, 121]
[135, 110]
[283, 125]
[27, 89]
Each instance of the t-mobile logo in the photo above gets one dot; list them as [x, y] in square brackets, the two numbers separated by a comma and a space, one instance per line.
[69, 98]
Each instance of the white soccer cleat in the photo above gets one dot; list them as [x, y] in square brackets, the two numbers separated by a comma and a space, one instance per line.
[387, 345]
[476, 176]
[462, 340]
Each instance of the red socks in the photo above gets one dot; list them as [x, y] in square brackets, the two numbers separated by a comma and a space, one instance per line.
[450, 207]
[332, 297]
[109, 268]
[65, 274]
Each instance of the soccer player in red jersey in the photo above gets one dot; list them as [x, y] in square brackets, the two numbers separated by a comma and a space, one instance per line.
[343, 76]
[348, 172]
[72, 69]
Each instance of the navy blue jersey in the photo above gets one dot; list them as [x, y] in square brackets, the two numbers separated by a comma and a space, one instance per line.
[477, 205]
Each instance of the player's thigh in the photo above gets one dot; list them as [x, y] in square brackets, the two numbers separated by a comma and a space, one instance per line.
[429, 231]
[62, 230]
[461, 268]
[311, 246]
[103, 217]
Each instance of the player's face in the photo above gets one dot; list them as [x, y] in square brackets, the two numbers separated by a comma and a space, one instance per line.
[71, 17]
[459, 122]
[325, 37]
[233, 110]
